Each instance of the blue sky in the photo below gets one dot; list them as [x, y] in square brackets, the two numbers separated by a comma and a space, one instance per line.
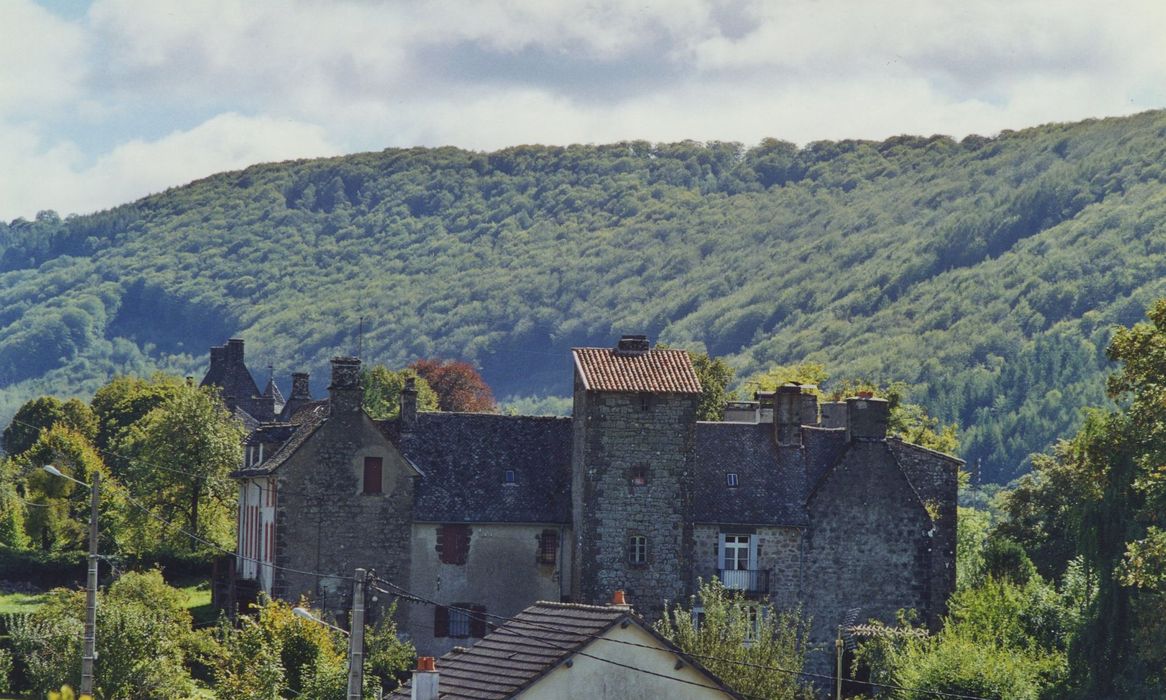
[106, 101]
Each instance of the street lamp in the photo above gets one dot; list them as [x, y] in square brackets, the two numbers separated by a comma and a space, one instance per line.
[89, 648]
[305, 614]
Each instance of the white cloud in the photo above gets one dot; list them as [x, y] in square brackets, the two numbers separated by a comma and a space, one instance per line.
[41, 58]
[40, 176]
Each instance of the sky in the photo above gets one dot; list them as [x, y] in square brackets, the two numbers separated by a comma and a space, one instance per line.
[105, 101]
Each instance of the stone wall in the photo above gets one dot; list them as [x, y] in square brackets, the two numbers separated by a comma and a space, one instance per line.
[868, 545]
[326, 523]
[779, 551]
[616, 434]
[501, 572]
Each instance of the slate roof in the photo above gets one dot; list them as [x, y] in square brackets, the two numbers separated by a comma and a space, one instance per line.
[771, 483]
[463, 457]
[531, 645]
[304, 422]
[657, 371]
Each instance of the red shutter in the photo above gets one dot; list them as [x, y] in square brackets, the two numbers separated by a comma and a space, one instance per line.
[478, 621]
[372, 474]
[453, 543]
[440, 621]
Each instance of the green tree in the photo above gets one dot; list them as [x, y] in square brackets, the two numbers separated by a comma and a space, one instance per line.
[382, 391]
[125, 400]
[737, 639]
[715, 376]
[180, 456]
[45, 412]
[143, 633]
[12, 508]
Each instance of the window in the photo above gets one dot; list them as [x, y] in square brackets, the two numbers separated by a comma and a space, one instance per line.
[509, 477]
[453, 543]
[645, 402]
[735, 552]
[697, 617]
[639, 475]
[459, 620]
[731, 479]
[548, 547]
[637, 550]
[372, 474]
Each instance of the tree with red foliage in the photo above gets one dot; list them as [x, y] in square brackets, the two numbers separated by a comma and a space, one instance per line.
[458, 385]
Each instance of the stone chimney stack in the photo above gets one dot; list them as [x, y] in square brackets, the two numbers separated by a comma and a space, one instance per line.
[234, 351]
[833, 414]
[301, 389]
[218, 360]
[633, 345]
[426, 680]
[409, 405]
[809, 406]
[345, 391]
[866, 418]
[787, 415]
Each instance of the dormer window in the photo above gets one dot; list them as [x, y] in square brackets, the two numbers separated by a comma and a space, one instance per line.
[509, 477]
[731, 479]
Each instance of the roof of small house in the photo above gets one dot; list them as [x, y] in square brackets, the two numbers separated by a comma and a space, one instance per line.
[532, 644]
[657, 370]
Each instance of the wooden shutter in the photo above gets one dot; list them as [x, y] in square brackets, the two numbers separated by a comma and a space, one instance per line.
[372, 474]
[453, 543]
[440, 621]
[478, 621]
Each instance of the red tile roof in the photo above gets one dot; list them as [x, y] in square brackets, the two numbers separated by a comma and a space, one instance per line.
[657, 371]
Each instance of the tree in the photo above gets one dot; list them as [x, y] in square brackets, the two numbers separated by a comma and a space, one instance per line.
[457, 384]
[126, 400]
[180, 456]
[737, 640]
[383, 387]
[45, 412]
[715, 375]
[144, 630]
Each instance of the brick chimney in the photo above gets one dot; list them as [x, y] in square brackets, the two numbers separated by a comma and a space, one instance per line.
[409, 405]
[345, 391]
[426, 679]
[787, 415]
[301, 388]
[866, 418]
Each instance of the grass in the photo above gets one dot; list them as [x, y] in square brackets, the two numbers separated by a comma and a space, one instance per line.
[197, 592]
[21, 602]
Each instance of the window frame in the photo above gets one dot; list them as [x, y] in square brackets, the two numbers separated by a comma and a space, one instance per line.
[637, 550]
[374, 467]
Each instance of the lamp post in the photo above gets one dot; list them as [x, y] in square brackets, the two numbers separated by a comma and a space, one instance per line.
[89, 646]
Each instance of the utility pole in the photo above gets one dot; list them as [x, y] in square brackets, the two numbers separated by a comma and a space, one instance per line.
[838, 664]
[356, 639]
[89, 653]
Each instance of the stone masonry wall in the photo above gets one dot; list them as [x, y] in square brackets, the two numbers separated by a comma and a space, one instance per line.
[617, 437]
[868, 546]
[779, 551]
[326, 523]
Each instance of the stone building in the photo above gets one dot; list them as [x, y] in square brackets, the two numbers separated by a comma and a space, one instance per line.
[792, 503]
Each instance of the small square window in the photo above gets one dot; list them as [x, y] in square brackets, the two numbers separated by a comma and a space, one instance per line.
[509, 477]
[639, 475]
[548, 547]
[459, 622]
[645, 402]
[731, 478]
[637, 550]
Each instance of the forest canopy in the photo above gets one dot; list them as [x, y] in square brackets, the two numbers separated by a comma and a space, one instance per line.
[985, 273]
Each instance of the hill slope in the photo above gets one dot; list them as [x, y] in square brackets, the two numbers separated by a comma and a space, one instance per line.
[986, 273]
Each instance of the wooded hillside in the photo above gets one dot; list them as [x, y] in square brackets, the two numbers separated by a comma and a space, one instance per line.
[986, 273]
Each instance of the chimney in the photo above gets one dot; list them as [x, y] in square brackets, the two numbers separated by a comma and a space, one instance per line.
[809, 407]
[409, 405]
[234, 351]
[834, 414]
[218, 359]
[300, 390]
[632, 345]
[787, 415]
[345, 391]
[620, 600]
[866, 418]
[425, 679]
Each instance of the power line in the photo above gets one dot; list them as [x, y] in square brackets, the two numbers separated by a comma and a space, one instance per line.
[480, 615]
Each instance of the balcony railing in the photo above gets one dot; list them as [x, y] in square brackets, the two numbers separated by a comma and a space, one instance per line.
[747, 580]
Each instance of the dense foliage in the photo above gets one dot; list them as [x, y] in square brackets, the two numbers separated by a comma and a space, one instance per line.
[739, 641]
[986, 273]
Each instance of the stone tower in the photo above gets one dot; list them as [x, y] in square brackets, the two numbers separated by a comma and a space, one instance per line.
[632, 468]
